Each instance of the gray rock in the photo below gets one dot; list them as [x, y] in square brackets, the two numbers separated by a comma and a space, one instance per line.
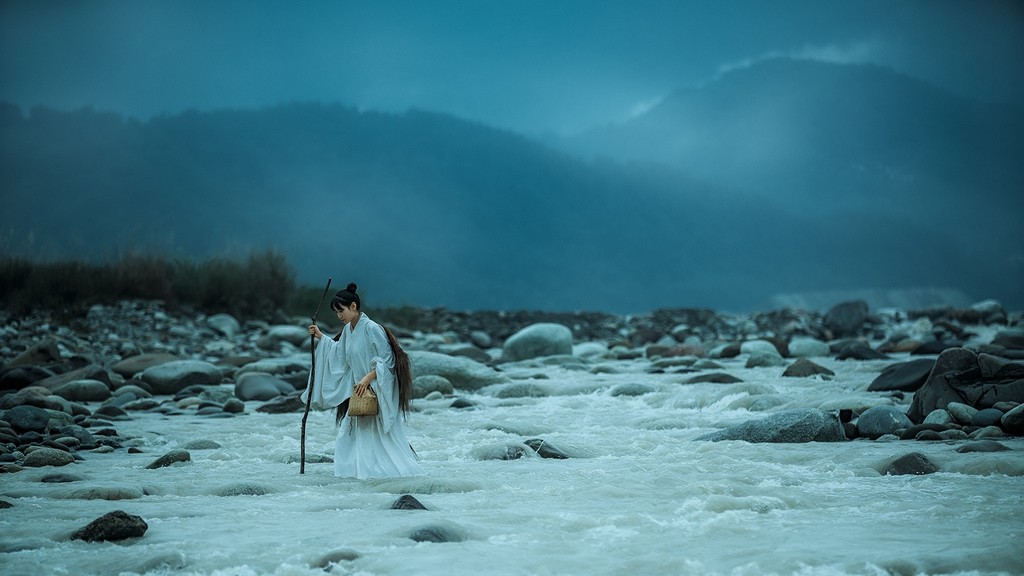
[937, 392]
[904, 376]
[27, 418]
[808, 348]
[542, 339]
[244, 488]
[480, 339]
[201, 445]
[987, 432]
[987, 417]
[859, 351]
[260, 386]
[521, 390]
[438, 533]
[939, 416]
[880, 420]
[999, 368]
[713, 378]
[172, 377]
[913, 463]
[133, 365]
[1013, 421]
[804, 368]
[112, 527]
[793, 426]
[234, 406]
[335, 557]
[408, 502]
[545, 449]
[48, 457]
[283, 405]
[756, 347]
[423, 385]
[90, 372]
[846, 318]
[961, 413]
[83, 391]
[225, 324]
[982, 446]
[276, 335]
[631, 389]
[83, 435]
[463, 373]
[764, 360]
[172, 457]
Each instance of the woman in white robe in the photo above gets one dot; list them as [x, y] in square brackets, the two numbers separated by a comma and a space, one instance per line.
[360, 358]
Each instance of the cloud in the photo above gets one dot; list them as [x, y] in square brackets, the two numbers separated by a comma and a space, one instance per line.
[644, 106]
[861, 52]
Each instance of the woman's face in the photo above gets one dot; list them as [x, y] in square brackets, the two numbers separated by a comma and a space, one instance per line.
[347, 314]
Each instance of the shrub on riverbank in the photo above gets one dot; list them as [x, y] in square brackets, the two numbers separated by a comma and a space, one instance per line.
[256, 287]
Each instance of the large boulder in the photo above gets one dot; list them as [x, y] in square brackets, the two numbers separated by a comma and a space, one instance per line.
[225, 324]
[173, 377]
[48, 457]
[133, 365]
[276, 335]
[904, 376]
[90, 372]
[957, 377]
[878, 421]
[27, 418]
[804, 368]
[462, 372]
[115, 526]
[847, 318]
[542, 339]
[808, 348]
[794, 426]
[83, 391]
[260, 386]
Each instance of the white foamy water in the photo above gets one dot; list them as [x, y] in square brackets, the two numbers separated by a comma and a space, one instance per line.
[639, 495]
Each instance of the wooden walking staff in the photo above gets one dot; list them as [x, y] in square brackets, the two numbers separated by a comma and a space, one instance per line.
[312, 379]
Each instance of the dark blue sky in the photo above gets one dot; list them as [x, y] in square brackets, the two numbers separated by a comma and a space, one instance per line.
[531, 65]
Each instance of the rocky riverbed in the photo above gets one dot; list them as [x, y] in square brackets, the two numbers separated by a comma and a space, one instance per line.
[952, 376]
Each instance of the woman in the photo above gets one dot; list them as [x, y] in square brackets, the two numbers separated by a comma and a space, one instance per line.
[358, 359]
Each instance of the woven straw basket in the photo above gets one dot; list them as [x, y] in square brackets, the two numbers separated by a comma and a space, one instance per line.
[365, 405]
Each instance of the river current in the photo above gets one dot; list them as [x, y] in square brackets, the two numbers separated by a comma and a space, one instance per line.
[638, 495]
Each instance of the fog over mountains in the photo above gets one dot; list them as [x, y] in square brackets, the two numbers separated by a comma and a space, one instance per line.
[761, 182]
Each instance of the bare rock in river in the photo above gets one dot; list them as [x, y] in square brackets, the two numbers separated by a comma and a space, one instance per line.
[541, 339]
[847, 318]
[878, 421]
[462, 372]
[903, 376]
[261, 386]
[171, 377]
[112, 527]
[958, 377]
[133, 365]
[804, 368]
[914, 463]
[172, 457]
[794, 426]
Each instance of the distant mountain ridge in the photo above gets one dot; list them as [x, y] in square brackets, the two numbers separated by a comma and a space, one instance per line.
[801, 130]
[431, 210]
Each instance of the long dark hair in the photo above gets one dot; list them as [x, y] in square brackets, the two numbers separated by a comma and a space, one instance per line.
[403, 374]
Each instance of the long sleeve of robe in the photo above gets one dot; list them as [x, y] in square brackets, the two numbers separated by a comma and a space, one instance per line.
[367, 446]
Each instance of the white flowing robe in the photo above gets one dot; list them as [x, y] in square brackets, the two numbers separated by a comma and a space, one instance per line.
[366, 446]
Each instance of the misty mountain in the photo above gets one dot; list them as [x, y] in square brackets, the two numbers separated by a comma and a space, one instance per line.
[427, 209]
[829, 137]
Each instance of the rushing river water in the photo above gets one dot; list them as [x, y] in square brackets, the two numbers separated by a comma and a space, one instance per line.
[638, 495]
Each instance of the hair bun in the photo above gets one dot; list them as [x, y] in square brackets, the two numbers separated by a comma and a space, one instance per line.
[351, 287]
